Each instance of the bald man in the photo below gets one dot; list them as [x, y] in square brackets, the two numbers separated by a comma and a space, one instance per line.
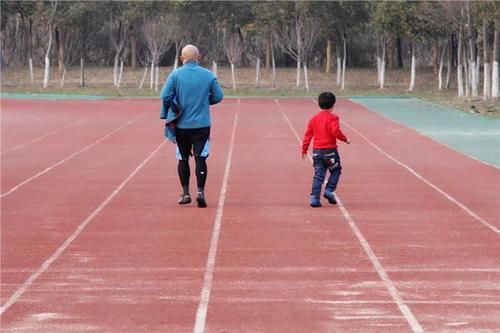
[194, 89]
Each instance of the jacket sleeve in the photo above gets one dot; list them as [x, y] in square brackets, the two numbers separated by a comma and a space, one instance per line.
[216, 95]
[336, 131]
[167, 95]
[307, 138]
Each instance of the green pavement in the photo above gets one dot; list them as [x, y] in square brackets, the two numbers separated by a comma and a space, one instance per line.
[471, 134]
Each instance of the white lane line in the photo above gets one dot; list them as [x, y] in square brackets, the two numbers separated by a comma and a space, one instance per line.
[44, 136]
[381, 271]
[201, 314]
[45, 266]
[67, 158]
[405, 310]
[428, 182]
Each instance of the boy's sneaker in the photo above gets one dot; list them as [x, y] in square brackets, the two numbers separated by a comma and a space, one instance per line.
[184, 199]
[330, 197]
[315, 202]
[200, 200]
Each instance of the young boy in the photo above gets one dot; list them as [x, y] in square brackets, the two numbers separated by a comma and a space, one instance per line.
[325, 128]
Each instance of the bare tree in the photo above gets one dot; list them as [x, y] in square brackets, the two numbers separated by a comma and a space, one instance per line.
[473, 77]
[494, 70]
[381, 60]
[234, 49]
[158, 35]
[70, 53]
[117, 33]
[51, 16]
[144, 57]
[261, 43]
[487, 69]
[441, 64]
[178, 37]
[298, 39]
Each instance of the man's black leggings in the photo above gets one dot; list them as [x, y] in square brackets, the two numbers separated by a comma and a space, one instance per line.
[193, 141]
[201, 172]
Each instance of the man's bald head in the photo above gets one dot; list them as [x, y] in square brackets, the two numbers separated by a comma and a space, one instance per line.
[190, 52]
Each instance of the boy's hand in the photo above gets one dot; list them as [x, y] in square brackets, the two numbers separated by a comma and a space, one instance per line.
[348, 141]
[303, 156]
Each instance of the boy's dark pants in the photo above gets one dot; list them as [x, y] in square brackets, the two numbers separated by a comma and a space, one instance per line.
[323, 160]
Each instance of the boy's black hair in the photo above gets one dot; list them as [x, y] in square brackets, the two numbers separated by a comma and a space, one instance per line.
[326, 100]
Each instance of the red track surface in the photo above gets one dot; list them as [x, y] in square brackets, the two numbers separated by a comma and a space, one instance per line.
[93, 240]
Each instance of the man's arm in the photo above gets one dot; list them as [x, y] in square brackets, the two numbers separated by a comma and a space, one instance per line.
[216, 94]
[168, 91]
[167, 95]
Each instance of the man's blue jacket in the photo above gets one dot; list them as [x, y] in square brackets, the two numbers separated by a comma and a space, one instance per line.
[194, 89]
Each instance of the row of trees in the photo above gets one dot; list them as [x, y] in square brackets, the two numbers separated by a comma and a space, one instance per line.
[452, 35]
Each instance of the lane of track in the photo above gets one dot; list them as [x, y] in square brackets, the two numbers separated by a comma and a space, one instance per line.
[443, 260]
[35, 119]
[45, 210]
[281, 265]
[139, 265]
[24, 165]
[474, 184]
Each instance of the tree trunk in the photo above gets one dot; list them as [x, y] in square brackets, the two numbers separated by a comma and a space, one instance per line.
[477, 68]
[115, 70]
[343, 63]
[413, 68]
[143, 77]
[120, 74]
[383, 65]
[257, 72]
[339, 70]
[214, 68]
[449, 65]
[487, 74]
[273, 80]
[30, 51]
[328, 56]
[495, 69]
[268, 53]
[32, 75]
[400, 52]
[47, 60]
[460, 79]
[152, 77]
[233, 76]
[441, 64]
[63, 76]
[82, 72]
[306, 79]
[435, 56]
[472, 53]
[83, 49]
[157, 77]
[176, 62]
[379, 60]
[298, 73]
[60, 53]
[467, 74]
[133, 49]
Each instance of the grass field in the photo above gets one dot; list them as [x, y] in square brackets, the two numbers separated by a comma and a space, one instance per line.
[359, 82]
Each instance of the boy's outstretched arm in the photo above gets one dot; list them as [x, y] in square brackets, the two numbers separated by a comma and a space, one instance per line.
[337, 132]
[307, 140]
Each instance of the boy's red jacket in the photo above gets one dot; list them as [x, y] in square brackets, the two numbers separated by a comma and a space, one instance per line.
[325, 128]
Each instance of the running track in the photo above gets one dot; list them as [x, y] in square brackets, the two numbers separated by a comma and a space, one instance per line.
[93, 240]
